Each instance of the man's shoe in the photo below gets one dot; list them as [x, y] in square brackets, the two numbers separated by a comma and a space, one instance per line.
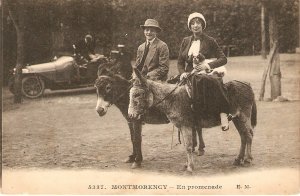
[225, 128]
[224, 121]
[229, 117]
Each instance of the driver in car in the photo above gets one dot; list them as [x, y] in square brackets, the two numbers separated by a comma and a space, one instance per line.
[85, 50]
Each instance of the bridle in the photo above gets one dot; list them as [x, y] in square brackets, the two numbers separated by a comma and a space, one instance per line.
[120, 96]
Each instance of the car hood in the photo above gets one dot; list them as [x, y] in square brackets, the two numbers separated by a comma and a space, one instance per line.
[51, 66]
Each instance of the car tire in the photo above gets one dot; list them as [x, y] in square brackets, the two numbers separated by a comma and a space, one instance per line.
[11, 82]
[33, 86]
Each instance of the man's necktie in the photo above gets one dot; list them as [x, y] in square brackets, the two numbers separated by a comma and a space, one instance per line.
[141, 65]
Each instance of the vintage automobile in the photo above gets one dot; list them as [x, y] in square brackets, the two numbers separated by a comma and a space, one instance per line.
[65, 72]
[70, 72]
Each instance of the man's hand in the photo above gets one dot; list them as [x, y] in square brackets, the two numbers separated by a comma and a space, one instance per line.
[97, 57]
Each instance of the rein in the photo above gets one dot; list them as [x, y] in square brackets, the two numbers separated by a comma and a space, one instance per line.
[177, 85]
[160, 101]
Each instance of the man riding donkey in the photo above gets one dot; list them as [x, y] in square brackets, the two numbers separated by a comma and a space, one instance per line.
[153, 58]
[202, 74]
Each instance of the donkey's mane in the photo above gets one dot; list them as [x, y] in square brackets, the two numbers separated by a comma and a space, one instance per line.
[162, 89]
[116, 77]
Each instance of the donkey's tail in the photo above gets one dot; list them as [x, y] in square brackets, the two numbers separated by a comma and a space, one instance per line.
[254, 115]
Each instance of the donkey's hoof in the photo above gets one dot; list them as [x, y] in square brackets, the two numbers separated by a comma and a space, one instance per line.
[129, 160]
[238, 162]
[136, 165]
[200, 152]
[185, 166]
[248, 161]
[189, 170]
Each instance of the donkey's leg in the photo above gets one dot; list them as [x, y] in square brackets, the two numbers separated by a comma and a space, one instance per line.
[246, 127]
[137, 127]
[242, 130]
[249, 137]
[194, 138]
[201, 141]
[188, 139]
[131, 157]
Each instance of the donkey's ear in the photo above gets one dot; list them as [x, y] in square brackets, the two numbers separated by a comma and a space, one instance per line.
[101, 71]
[137, 74]
[104, 71]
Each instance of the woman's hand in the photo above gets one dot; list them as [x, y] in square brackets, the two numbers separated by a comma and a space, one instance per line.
[184, 75]
[202, 66]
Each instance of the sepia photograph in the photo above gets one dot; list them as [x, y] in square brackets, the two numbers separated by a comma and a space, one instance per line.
[150, 97]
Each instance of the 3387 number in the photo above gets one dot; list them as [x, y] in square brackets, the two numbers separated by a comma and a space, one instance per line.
[96, 186]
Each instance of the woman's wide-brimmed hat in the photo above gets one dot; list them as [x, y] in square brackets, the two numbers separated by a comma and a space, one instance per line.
[151, 23]
[196, 15]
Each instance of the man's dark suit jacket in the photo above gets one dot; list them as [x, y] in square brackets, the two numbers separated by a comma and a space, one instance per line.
[85, 49]
[156, 65]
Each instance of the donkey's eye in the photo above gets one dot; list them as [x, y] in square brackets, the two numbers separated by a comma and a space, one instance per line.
[136, 95]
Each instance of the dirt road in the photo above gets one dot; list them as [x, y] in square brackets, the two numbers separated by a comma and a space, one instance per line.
[63, 130]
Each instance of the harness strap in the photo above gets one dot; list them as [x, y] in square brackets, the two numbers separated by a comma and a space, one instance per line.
[166, 96]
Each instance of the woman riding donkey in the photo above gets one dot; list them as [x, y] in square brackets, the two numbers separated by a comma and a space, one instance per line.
[205, 75]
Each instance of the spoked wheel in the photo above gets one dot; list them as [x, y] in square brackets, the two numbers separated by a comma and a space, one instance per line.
[32, 86]
[11, 82]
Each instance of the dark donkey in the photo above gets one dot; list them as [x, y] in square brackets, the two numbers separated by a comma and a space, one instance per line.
[175, 103]
[114, 89]
[112, 86]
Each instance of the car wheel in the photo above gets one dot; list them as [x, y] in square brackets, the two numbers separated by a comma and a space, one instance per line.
[32, 86]
[11, 82]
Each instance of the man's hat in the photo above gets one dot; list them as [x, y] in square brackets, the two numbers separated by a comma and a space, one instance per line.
[151, 23]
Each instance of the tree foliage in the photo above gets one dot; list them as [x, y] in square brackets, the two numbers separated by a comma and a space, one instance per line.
[53, 25]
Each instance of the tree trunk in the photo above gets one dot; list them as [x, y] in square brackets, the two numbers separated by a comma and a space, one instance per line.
[275, 73]
[263, 31]
[267, 68]
[18, 18]
[299, 25]
[19, 66]
[298, 48]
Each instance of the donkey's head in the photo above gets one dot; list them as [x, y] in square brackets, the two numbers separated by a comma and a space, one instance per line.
[140, 96]
[104, 88]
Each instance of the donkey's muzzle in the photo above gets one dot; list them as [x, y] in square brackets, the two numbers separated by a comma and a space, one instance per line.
[101, 111]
